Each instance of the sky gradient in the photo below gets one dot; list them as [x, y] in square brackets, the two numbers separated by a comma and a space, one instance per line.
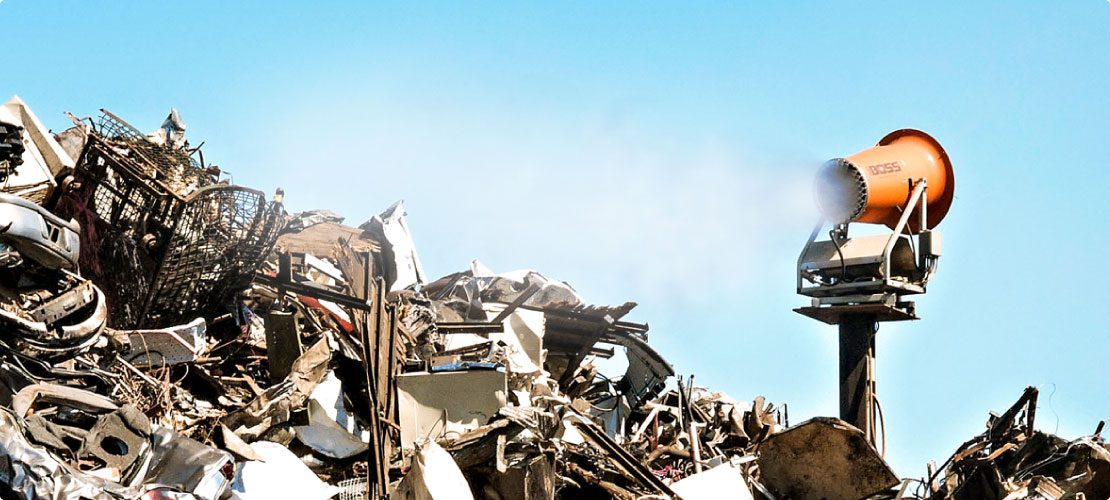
[664, 154]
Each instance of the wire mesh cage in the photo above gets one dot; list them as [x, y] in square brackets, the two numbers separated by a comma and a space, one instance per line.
[163, 237]
[352, 489]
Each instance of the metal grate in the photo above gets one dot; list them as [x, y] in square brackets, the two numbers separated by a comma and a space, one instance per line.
[174, 168]
[162, 238]
[221, 237]
[352, 489]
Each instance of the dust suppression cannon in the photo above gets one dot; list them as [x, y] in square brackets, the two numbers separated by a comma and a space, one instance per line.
[904, 183]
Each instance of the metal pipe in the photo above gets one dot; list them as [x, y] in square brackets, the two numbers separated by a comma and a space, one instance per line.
[857, 347]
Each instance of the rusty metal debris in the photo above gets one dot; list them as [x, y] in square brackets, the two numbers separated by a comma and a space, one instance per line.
[1012, 459]
[154, 212]
[170, 335]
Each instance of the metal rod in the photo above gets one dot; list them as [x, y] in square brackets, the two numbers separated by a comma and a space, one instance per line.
[916, 194]
[922, 224]
[527, 294]
[801, 257]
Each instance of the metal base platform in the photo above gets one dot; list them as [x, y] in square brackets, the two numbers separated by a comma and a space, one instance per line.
[881, 312]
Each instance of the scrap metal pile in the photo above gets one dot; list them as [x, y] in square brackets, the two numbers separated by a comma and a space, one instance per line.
[170, 335]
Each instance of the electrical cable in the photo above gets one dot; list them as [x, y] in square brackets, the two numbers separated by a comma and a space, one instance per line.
[877, 423]
[872, 436]
[881, 420]
[1023, 473]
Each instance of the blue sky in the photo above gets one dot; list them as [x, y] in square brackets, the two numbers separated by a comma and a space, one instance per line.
[663, 153]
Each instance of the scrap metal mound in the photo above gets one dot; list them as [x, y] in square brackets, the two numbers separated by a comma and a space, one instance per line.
[170, 335]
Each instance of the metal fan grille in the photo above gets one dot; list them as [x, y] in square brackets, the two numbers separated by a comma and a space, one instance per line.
[841, 191]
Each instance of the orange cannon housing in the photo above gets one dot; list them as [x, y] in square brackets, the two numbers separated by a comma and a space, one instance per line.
[874, 185]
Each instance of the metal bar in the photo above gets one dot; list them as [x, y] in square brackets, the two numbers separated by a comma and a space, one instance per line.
[382, 461]
[374, 480]
[628, 325]
[602, 353]
[158, 278]
[802, 256]
[391, 383]
[906, 288]
[922, 227]
[516, 303]
[924, 206]
[312, 291]
[887, 298]
[469, 327]
[918, 189]
[625, 459]
[584, 351]
[371, 457]
[695, 446]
